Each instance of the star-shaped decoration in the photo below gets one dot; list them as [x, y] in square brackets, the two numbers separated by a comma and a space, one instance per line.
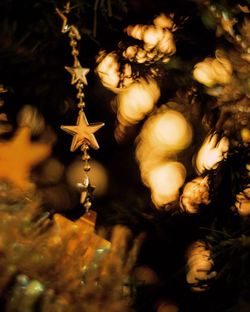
[78, 73]
[83, 132]
[86, 190]
[65, 26]
[19, 155]
[84, 231]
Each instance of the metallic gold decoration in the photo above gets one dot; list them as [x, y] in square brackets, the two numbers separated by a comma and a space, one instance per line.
[78, 74]
[83, 132]
[16, 162]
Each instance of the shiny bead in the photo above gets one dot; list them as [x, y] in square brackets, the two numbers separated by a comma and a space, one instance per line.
[75, 53]
[85, 147]
[80, 95]
[73, 43]
[79, 85]
[86, 157]
[86, 167]
[87, 205]
[81, 105]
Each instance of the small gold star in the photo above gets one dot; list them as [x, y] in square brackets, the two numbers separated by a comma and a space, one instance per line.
[86, 191]
[66, 27]
[78, 73]
[83, 132]
[19, 155]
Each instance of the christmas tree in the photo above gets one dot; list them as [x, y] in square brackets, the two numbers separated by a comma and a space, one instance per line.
[157, 219]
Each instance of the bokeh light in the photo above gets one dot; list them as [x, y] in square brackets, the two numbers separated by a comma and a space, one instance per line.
[211, 153]
[108, 69]
[170, 131]
[212, 71]
[98, 176]
[137, 101]
[165, 181]
[165, 134]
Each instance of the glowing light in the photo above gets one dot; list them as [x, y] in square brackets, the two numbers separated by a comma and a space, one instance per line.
[158, 41]
[165, 181]
[199, 266]
[163, 135]
[211, 153]
[170, 131]
[97, 175]
[136, 31]
[163, 21]
[130, 52]
[152, 35]
[108, 69]
[213, 71]
[137, 101]
[195, 192]
[166, 45]
[245, 135]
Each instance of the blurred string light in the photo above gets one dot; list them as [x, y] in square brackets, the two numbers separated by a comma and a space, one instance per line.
[156, 43]
[211, 153]
[165, 181]
[98, 176]
[135, 103]
[137, 96]
[213, 71]
[162, 137]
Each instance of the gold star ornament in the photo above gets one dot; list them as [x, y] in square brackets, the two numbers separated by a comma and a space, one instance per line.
[78, 73]
[19, 155]
[83, 132]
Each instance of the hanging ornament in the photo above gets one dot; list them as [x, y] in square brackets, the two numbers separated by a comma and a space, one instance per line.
[82, 132]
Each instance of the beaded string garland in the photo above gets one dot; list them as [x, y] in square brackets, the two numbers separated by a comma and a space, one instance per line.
[82, 132]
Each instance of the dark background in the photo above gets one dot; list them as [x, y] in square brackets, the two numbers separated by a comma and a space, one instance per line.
[33, 53]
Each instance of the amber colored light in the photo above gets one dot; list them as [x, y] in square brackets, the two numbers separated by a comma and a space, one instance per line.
[165, 181]
[211, 153]
[137, 101]
[98, 175]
